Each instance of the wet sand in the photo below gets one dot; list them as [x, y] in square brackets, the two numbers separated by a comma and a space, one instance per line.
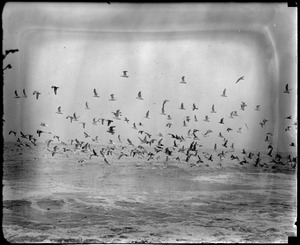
[58, 199]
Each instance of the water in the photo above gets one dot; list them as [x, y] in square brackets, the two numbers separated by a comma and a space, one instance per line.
[57, 199]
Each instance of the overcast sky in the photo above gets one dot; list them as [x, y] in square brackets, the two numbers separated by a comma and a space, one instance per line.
[79, 47]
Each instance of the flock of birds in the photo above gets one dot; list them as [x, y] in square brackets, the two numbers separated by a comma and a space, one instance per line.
[184, 148]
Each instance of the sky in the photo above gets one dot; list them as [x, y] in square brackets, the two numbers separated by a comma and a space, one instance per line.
[79, 47]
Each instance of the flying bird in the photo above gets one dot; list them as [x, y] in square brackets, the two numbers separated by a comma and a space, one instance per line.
[147, 115]
[287, 90]
[224, 93]
[125, 74]
[213, 109]
[257, 108]
[96, 94]
[206, 119]
[194, 107]
[16, 94]
[12, 132]
[181, 107]
[241, 78]
[222, 121]
[37, 94]
[24, 93]
[55, 89]
[87, 106]
[112, 98]
[139, 97]
[182, 80]
[111, 130]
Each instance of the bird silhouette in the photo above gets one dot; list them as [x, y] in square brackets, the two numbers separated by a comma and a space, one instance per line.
[87, 106]
[55, 89]
[222, 121]
[16, 95]
[96, 94]
[112, 98]
[206, 119]
[24, 93]
[139, 97]
[59, 110]
[147, 115]
[224, 93]
[213, 109]
[182, 107]
[287, 90]
[195, 107]
[241, 78]
[257, 108]
[182, 80]
[125, 74]
[37, 94]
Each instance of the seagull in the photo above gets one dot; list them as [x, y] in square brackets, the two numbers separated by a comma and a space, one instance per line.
[147, 115]
[111, 130]
[139, 97]
[207, 132]
[37, 94]
[134, 126]
[181, 107]
[224, 93]
[257, 108]
[222, 121]
[86, 135]
[71, 118]
[231, 114]
[225, 144]
[12, 132]
[228, 129]
[194, 107]
[96, 94]
[184, 123]
[112, 98]
[195, 118]
[287, 90]
[75, 118]
[126, 119]
[87, 106]
[39, 132]
[117, 114]
[83, 124]
[182, 80]
[206, 119]
[44, 124]
[16, 93]
[243, 105]
[24, 93]
[289, 117]
[125, 74]
[48, 142]
[241, 78]
[119, 138]
[213, 109]
[239, 131]
[129, 142]
[169, 125]
[55, 89]
[220, 135]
